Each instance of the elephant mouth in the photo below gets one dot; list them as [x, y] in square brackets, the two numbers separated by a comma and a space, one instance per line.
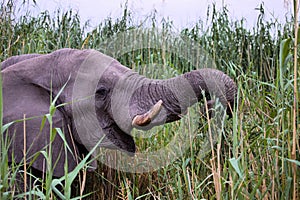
[121, 140]
[145, 121]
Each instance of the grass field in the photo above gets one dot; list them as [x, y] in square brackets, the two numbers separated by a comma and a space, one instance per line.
[256, 153]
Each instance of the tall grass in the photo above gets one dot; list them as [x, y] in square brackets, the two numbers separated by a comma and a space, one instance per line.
[256, 156]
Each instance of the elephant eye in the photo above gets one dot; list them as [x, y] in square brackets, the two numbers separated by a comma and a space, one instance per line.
[101, 93]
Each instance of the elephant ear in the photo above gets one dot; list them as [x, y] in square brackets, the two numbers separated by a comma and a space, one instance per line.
[16, 59]
[29, 83]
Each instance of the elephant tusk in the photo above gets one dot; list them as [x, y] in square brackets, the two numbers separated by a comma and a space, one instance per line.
[146, 118]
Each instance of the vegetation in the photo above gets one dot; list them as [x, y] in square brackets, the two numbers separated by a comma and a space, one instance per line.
[255, 156]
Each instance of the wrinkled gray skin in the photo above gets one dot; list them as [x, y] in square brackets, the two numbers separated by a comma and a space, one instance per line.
[27, 90]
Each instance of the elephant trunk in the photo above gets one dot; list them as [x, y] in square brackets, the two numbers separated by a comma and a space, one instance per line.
[175, 95]
[215, 85]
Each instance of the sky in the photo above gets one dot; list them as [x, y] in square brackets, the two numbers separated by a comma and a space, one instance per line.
[183, 13]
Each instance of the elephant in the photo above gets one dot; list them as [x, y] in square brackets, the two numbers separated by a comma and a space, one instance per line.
[120, 99]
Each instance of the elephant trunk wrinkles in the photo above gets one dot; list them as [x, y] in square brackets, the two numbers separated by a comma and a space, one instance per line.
[213, 82]
[191, 87]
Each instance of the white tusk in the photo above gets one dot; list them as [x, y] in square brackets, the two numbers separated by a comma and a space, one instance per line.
[146, 118]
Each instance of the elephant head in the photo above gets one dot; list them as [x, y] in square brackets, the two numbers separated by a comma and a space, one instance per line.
[102, 100]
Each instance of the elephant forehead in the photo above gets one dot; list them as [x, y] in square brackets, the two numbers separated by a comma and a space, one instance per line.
[113, 74]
